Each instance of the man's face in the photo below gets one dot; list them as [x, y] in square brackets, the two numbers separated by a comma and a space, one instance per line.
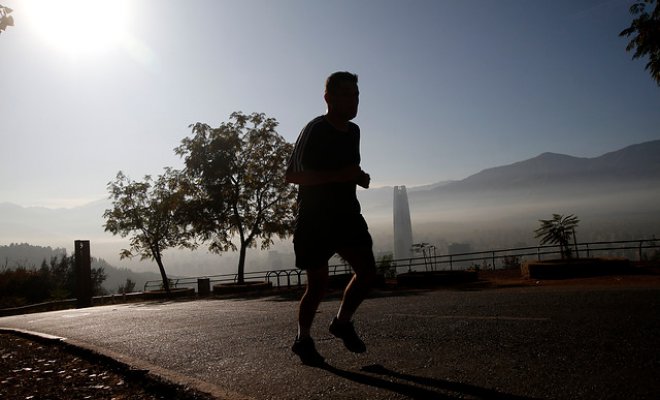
[344, 100]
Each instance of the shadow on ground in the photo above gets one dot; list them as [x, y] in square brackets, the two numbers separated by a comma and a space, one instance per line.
[416, 387]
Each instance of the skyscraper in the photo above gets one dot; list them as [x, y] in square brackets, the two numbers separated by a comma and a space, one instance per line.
[402, 226]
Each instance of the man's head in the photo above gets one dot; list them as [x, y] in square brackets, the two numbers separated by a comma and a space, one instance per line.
[342, 95]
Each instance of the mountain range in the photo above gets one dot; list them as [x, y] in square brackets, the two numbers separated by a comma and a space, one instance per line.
[552, 175]
[616, 194]
[637, 163]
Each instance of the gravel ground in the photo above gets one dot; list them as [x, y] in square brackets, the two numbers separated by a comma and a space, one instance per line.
[33, 370]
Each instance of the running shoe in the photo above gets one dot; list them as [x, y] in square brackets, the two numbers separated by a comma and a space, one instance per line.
[346, 332]
[306, 350]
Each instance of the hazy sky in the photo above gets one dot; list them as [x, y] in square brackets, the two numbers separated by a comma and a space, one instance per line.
[448, 88]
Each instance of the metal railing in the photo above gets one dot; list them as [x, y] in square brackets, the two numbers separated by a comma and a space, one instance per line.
[490, 259]
[631, 249]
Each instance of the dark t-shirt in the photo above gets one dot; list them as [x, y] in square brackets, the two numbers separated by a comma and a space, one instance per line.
[321, 147]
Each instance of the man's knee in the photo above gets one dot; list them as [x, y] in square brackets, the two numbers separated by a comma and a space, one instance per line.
[364, 263]
[364, 266]
[366, 275]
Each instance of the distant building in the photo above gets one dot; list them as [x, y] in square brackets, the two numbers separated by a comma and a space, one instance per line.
[402, 226]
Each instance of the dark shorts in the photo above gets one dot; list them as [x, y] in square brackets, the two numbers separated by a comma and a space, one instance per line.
[316, 240]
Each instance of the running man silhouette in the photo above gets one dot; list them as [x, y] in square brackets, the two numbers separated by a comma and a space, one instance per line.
[326, 165]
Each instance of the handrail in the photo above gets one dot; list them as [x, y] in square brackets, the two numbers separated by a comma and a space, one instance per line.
[487, 258]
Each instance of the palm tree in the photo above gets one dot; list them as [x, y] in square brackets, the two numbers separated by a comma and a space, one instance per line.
[646, 30]
[558, 230]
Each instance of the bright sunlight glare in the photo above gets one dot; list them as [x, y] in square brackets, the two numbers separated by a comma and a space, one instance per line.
[79, 27]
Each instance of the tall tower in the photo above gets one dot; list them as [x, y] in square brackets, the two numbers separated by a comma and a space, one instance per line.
[402, 225]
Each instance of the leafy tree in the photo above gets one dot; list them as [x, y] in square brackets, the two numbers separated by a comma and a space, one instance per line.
[386, 266]
[128, 287]
[150, 211]
[235, 174]
[558, 230]
[61, 277]
[646, 30]
[5, 19]
[54, 280]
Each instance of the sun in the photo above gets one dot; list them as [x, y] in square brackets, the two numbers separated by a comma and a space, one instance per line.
[79, 27]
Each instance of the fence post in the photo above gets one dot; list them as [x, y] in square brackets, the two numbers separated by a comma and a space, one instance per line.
[83, 274]
[203, 287]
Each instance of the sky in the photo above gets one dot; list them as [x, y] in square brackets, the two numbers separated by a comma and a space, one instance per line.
[447, 88]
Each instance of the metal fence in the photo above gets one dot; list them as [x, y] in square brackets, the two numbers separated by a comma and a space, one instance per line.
[639, 250]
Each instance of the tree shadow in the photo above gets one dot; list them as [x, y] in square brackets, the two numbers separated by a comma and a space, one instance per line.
[418, 387]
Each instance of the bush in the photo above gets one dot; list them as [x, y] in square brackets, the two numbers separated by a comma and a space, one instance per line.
[52, 281]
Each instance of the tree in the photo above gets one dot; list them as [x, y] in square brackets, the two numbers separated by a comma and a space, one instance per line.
[386, 266]
[646, 30]
[235, 174]
[51, 281]
[5, 19]
[127, 287]
[558, 230]
[150, 211]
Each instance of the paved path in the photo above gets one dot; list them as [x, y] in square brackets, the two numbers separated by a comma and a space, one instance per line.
[534, 342]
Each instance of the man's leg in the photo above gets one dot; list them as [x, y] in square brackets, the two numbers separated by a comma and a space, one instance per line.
[363, 263]
[317, 282]
[303, 346]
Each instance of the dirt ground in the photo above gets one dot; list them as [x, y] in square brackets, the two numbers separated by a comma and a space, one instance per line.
[33, 370]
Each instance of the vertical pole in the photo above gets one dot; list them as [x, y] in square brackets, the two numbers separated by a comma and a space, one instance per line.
[577, 252]
[83, 263]
[203, 287]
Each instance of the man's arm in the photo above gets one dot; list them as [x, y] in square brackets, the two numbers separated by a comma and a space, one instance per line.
[351, 173]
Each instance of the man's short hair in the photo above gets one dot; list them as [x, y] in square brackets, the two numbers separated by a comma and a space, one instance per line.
[334, 80]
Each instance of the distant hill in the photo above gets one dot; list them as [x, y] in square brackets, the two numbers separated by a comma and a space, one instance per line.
[25, 255]
[31, 257]
[549, 174]
[637, 163]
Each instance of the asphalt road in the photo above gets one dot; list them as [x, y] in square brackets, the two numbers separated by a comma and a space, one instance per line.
[525, 343]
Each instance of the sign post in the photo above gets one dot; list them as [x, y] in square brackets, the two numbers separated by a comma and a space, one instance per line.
[83, 263]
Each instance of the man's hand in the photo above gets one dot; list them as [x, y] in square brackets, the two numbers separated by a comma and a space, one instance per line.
[364, 180]
[355, 174]
[352, 173]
